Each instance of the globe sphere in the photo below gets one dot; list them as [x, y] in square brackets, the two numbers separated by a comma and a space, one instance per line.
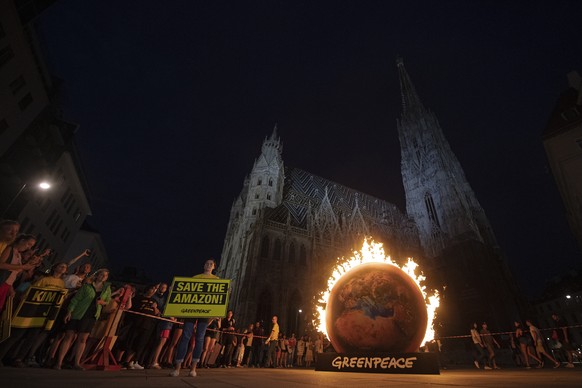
[376, 307]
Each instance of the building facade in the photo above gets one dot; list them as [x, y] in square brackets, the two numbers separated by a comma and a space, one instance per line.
[563, 144]
[288, 227]
[36, 142]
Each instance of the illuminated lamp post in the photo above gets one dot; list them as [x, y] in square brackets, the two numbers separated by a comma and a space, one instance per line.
[297, 320]
[42, 186]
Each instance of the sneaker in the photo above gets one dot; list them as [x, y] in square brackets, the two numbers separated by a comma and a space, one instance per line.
[497, 367]
[135, 366]
[174, 373]
[569, 365]
[192, 373]
[487, 367]
[476, 364]
[155, 366]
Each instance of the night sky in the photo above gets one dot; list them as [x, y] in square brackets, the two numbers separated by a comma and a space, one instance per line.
[175, 98]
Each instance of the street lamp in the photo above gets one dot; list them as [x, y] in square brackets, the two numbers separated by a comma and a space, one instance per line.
[297, 321]
[44, 185]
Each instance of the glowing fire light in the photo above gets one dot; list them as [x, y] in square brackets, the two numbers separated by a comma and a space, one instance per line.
[374, 253]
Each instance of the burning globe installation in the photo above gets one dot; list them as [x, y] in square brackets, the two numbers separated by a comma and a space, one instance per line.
[374, 308]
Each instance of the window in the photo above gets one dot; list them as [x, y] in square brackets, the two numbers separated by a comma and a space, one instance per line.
[17, 84]
[51, 217]
[431, 209]
[65, 195]
[268, 195]
[277, 251]
[265, 247]
[254, 211]
[6, 54]
[25, 101]
[257, 196]
[302, 255]
[291, 257]
[65, 234]
[259, 182]
[270, 181]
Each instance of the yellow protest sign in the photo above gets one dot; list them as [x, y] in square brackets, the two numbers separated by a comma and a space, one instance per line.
[39, 307]
[197, 298]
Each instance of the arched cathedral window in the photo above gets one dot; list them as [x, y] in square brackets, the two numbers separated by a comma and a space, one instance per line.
[291, 258]
[259, 181]
[277, 251]
[302, 255]
[431, 209]
[265, 247]
[270, 181]
[268, 195]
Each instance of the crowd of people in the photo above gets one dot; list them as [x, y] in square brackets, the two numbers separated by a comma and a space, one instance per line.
[94, 310]
[526, 344]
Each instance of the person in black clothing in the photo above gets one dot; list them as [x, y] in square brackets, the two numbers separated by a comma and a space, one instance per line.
[257, 345]
[142, 329]
[228, 338]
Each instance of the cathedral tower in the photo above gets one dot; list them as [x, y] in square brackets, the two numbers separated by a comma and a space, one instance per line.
[454, 232]
[262, 188]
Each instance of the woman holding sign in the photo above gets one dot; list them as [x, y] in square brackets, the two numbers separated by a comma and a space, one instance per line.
[188, 329]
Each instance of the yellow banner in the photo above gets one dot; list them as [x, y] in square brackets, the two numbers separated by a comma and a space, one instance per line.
[197, 298]
[39, 308]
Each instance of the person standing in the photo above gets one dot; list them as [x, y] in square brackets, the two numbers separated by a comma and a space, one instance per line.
[228, 338]
[248, 342]
[300, 350]
[188, 330]
[318, 345]
[272, 342]
[539, 343]
[479, 347]
[258, 333]
[8, 232]
[562, 335]
[524, 341]
[292, 347]
[490, 342]
[82, 314]
[11, 265]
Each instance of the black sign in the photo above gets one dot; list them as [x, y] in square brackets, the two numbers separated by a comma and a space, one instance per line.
[405, 363]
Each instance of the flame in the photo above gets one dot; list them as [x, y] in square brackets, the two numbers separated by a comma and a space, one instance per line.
[374, 253]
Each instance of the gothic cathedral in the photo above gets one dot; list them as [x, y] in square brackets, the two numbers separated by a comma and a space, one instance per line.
[287, 228]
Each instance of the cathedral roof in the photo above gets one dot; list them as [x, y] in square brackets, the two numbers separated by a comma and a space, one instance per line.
[304, 192]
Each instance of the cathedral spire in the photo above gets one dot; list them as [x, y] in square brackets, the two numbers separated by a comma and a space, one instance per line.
[274, 135]
[410, 100]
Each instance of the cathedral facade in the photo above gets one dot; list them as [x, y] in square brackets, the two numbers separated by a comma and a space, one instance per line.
[287, 228]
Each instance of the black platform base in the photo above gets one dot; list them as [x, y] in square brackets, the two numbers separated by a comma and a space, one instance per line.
[399, 363]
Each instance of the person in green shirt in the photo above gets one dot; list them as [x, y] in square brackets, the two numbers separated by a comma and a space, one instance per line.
[82, 314]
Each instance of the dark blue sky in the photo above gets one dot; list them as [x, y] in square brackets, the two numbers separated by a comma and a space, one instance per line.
[174, 99]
